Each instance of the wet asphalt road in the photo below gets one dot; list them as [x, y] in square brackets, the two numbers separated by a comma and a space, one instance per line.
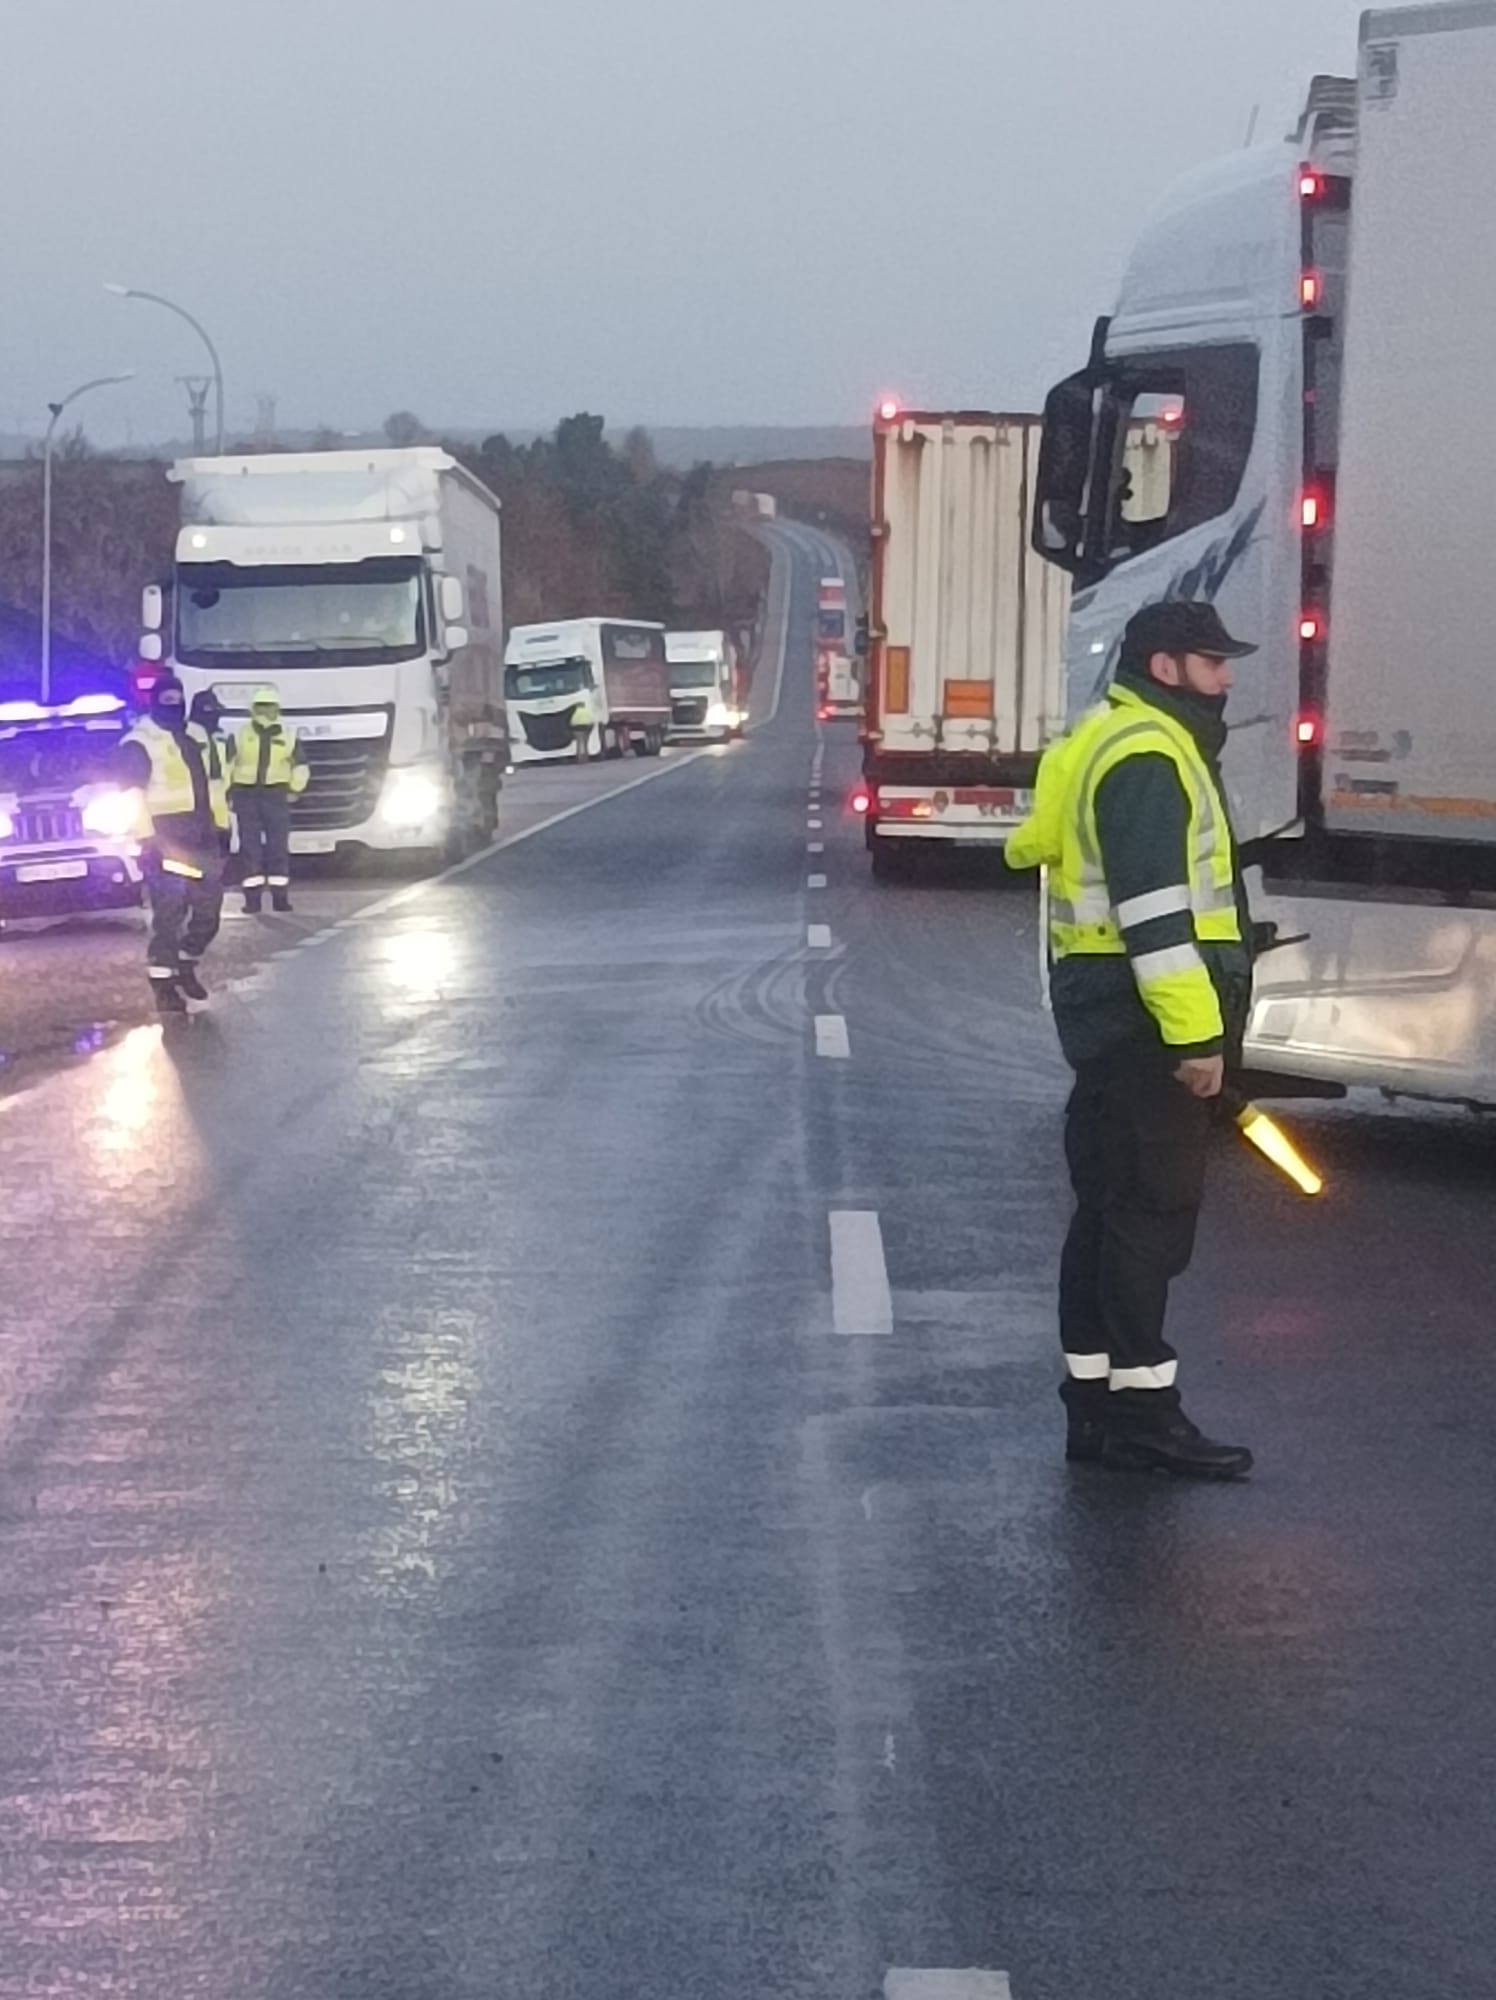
[449, 1551]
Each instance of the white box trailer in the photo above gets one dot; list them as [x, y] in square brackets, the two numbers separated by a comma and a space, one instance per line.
[1410, 684]
[1316, 316]
[965, 630]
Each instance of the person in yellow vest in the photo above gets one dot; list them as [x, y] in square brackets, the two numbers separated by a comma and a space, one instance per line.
[1149, 947]
[173, 767]
[267, 769]
[581, 731]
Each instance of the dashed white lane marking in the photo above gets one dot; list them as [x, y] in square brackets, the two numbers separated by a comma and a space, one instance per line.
[902, 1984]
[861, 1303]
[815, 881]
[818, 937]
[814, 825]
[815, 847]
[831, 1036]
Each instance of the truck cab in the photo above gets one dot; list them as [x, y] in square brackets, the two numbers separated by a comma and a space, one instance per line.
[67, 842]
[613, 671]
[365, 585]
[1293, 318]
[705, 698]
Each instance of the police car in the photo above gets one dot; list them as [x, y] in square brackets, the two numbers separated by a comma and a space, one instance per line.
[67, 838]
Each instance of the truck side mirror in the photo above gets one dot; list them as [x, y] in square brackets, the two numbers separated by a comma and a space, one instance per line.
[1059, 523]
[456, 637]
[451, 604]
[152, 612]
[150, 646]
[859, 643]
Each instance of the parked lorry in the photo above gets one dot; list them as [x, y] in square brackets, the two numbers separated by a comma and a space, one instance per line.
[366, 586]
[706, 691]
[965, 633]
[613, 668]
[1318, 315]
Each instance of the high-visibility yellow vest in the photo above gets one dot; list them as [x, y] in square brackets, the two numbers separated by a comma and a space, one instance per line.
[278, 746]
[1061, 835]
[168, 793]
[581, 716]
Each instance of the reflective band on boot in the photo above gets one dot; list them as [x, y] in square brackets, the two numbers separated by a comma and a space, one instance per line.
[1088, 1367]
[278, 881]
[1161, 1377]
[161, 972]
[253, 882]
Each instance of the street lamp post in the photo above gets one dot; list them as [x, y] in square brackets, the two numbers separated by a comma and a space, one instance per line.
[155, 299]
[99, 382]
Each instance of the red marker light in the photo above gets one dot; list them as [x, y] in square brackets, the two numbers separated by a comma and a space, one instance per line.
[1306, 730]
[1311, 627]
[1311, 184]
[1309, 290]
[888, 410]
[861, 800]
[1312, 510]
[1172, 416]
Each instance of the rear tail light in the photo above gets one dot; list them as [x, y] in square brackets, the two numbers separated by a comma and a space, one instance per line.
[1311, 289]
[861, 800]
[1308, 729]
[1311, 627]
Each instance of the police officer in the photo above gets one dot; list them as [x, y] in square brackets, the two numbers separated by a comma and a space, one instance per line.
[267, 769]
[182, 823]
[1150, 982]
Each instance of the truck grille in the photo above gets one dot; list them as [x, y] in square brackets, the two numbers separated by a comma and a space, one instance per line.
[548, 732]
[688, 714]
[346, 778]
[43, 826]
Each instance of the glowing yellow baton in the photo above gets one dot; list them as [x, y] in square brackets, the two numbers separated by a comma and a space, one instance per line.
[1274, 1144]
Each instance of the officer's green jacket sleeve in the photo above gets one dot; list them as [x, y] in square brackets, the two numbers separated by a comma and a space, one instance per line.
[1143, 827]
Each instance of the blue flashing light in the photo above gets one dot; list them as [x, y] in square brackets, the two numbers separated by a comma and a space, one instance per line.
[76, 710]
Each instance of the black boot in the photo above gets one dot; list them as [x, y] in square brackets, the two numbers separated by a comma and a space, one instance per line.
[1085, 1433]
[1175, 1446]
[252, 901]
[280, 901]
[189, 983]
[169, 997]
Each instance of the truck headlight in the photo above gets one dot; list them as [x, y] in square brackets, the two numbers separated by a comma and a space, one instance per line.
[111, 814]
[410, 798]
[7, 825]
[719, 716]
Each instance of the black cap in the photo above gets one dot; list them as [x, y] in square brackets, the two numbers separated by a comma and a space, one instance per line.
[1184, 626]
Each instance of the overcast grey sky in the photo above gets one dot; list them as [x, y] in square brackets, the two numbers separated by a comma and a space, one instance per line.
[673, 211]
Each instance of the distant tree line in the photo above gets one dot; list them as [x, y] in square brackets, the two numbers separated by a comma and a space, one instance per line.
[588, 528]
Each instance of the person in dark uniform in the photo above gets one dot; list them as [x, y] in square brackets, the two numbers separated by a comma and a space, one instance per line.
[1151, 980]
[172, 766]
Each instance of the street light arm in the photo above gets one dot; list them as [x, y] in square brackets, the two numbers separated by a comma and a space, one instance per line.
[98, 382]
[156, 299]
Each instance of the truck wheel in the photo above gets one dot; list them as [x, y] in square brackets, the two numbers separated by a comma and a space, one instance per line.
[888, 863]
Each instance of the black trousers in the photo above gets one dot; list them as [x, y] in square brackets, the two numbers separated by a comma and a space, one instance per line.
[184, 912]
[1136, 1143]
[264, 816]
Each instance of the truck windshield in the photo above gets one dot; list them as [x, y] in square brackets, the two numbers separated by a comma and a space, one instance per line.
[546, 678]
[694, 674]
[354, 614]
[57, 760]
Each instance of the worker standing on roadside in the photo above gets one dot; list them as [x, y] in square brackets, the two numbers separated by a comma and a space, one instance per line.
[267, 769]
[1150, 983]
[581, 731]
[182, 824]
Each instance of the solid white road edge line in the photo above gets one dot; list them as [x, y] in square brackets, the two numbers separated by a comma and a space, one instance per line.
[818, 937]
[831, 1037]
[861, 1302]
[780, 554]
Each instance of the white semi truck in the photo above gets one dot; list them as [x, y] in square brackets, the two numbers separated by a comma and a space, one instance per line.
[366, 586]
[613, 671]
[706, 692]
[1318, 317]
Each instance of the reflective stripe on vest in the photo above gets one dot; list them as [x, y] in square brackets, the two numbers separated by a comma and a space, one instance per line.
[263, 756]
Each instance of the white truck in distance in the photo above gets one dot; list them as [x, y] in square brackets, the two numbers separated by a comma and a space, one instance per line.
[1319, 316]
[365, 585]
[965, 629]
[705, 687]
[614, 668]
